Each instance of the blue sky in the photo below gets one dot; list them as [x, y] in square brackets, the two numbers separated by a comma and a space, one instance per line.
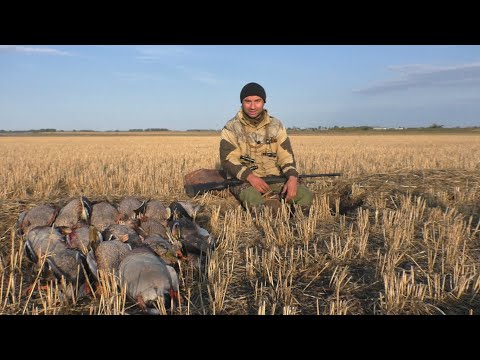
[197, 87]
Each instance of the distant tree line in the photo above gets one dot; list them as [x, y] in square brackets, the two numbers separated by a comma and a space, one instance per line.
[29, 131]
[433, 126]
[201, 130]
[149, 129]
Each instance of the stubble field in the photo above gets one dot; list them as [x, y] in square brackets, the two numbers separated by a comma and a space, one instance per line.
[397, 233]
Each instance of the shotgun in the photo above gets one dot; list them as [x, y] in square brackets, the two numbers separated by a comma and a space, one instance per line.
[196, 189]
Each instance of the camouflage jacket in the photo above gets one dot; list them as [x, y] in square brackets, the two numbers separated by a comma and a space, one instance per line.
[263, 149]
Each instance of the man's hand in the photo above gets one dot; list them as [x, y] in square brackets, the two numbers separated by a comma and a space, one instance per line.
[258, 183]
[290, 188]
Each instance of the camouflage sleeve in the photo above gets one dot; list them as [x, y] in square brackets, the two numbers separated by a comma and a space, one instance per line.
[230, 156]
[286, 158]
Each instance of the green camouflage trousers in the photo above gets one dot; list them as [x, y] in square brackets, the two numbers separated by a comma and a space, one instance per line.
[248, 196]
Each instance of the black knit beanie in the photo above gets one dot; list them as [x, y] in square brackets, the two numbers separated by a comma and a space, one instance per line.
[253, 89]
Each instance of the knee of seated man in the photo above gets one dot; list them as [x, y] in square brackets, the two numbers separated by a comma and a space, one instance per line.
[304, 196]
[251, 197]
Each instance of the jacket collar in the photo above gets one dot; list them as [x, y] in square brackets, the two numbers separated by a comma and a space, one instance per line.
[245, 121]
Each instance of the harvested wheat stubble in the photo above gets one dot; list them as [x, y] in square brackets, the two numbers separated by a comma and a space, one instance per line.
[316, 271]
[440, 187]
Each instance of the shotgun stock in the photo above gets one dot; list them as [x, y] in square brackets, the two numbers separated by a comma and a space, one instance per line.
[196, 189]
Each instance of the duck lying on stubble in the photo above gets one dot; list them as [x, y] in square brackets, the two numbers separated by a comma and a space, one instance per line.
[131, 207]
[41, 215]
[76, 213]
[103, 215]
[195, 239]
[84, 238]
[153, 226]
[107, 256]
[183, 209]
[148, 279]
[156, 210]
[46, 248]
[123, 233]
[169, 250]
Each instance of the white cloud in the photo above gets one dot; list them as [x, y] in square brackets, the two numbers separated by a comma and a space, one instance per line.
[418, 75]
[32, 50]
[155, 53]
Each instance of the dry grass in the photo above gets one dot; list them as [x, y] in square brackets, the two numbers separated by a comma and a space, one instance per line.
[398, 233]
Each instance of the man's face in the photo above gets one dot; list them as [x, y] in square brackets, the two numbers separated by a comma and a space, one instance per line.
[253, 105]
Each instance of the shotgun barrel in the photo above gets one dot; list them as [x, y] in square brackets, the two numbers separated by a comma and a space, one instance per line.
[196, 189]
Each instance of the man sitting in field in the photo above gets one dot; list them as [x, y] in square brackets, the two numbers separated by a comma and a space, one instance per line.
[255, 144]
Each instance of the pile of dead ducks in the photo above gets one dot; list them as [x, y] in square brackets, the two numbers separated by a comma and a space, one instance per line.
[139, 241]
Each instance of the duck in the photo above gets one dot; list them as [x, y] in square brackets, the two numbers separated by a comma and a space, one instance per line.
[170, 251]
[40, 215]
[103, 215]
[154, 226]
[184, 209]
[75, 213]
[123, 233]
[131, 208]
[45, 246]
[195, 239]
[148, 279]
[156, 210]
[83, 238]
[107, 256]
